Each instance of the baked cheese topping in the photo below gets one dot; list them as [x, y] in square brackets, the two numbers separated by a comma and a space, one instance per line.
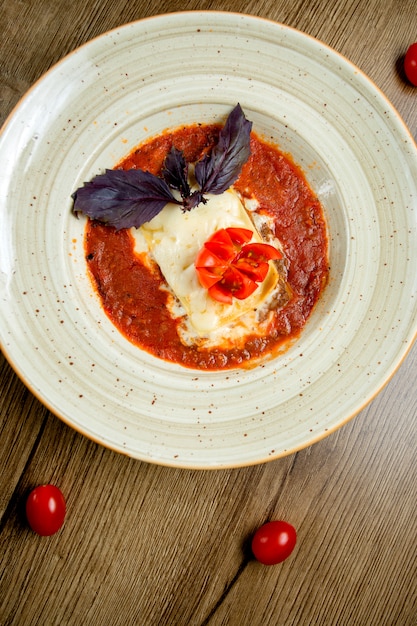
[174, 238]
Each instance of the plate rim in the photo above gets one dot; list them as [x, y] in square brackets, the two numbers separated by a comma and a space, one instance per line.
[413, 333]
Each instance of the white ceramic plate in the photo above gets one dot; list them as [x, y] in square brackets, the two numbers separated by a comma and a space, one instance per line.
[93, 108]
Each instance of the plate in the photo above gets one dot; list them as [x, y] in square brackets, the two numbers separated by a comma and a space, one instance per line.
[91, 109]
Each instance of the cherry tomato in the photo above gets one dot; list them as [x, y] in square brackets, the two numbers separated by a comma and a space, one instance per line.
[222, 251]
[209, 276]
[233, 284]
[220, 294]
[231, 267]
[410, 64]
[45, 510]
[255, 271]
[257, 252]
[239, 236]
[208, 258]
[273, 542]
[253, 260]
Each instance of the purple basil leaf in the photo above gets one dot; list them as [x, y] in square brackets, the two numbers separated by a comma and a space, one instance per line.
[175, 172]
[218, 170]
[123, 198]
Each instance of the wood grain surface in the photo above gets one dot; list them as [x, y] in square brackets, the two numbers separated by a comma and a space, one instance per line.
[153, 546]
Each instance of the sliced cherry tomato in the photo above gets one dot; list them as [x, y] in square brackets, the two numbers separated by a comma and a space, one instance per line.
[233, 284]
[230, 267]
[239, 236]
[253, 260]
[223, 251]
[220, 294]
[255, 271]
[273, 542]
[209, 276]
[45, 510]
[206, 258]
[222, 241]
[260, 252]
[410, 64]
[233, 237]
[238, 284]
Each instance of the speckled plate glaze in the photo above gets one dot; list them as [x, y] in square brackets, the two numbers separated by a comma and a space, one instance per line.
[93, 108]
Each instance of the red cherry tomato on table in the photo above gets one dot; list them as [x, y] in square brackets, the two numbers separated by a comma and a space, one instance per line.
[45, 510]
[273, 542]
[410, 64]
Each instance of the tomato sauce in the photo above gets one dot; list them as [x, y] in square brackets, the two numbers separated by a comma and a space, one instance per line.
[130, 290]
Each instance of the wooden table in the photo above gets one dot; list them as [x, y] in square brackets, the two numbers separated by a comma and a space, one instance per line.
[148, 545]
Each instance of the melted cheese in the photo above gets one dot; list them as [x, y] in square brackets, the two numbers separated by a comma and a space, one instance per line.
[173, 239]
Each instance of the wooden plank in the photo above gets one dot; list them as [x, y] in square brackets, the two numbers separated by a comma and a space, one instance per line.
[22, 420]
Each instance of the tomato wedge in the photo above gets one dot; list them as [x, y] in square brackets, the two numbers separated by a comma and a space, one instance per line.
[239, 236]
[254, 259]
[209, 276]
[234, 284]
[225, 251]
[260, 252]
[220, 294]
[227, 242]
[207, 258]
[231, 267]
[256, 272]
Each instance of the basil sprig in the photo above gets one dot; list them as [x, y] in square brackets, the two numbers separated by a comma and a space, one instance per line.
[129, 198]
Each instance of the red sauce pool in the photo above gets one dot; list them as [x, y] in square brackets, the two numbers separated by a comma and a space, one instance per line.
[130, 292]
